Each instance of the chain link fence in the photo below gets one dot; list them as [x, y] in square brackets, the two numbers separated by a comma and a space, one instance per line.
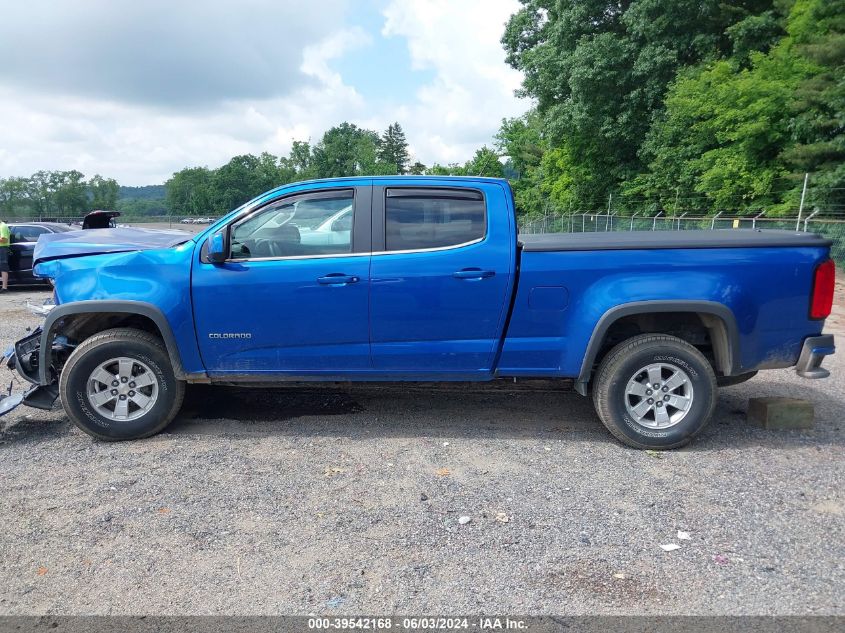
[833, 228]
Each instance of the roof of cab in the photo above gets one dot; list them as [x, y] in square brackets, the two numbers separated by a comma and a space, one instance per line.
[409, 178]
[404, 177]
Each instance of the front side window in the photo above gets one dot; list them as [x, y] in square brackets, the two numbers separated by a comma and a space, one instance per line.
[298, 226]
[419, 221]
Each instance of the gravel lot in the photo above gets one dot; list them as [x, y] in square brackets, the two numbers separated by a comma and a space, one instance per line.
[347, 500]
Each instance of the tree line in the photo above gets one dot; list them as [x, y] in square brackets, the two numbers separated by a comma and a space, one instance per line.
[343, 150]
[56, 194]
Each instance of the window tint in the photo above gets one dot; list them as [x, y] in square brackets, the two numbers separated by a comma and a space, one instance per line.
[296, 227]
[417, 221]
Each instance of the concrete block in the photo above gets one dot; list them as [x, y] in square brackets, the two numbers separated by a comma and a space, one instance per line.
[780, 413]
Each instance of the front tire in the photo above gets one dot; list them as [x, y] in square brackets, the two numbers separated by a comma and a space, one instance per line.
[120, 385]
[655, 391]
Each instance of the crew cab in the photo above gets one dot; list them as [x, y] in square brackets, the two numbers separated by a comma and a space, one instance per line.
[420, 279]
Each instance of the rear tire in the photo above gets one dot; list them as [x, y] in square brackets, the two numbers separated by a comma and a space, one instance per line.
[655, 391]
[120, 385]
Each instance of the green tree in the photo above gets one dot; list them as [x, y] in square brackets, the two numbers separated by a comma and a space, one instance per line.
[103, 192]
[188, 192]
[485, 162]
[241, 179]
[40, 192]
[741, 136]
[346, 150]
[417, 169]
[393, 149]
[817, 108]
[13, 196]
[299, 164]
[521, 141]
[69, 192]
[452, 169]
[600, 69]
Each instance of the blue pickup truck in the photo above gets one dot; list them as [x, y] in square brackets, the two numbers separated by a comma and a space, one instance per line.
[419, 279]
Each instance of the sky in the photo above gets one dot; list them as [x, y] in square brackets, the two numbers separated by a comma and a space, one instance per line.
[138, 90]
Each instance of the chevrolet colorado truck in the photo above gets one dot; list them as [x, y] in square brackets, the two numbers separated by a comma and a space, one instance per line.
[419, 279]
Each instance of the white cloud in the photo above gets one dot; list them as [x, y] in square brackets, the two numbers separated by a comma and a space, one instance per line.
[175, 54]
[141, 143]
[88, 122]
[473, 89]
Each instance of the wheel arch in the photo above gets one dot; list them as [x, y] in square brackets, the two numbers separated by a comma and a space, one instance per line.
[102, 315]
[716, 318]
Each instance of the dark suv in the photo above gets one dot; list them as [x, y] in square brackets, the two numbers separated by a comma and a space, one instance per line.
[24, 236]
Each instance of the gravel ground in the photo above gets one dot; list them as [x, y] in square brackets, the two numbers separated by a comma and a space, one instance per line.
[341, 500]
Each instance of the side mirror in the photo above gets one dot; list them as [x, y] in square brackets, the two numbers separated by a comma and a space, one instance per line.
[217, 250]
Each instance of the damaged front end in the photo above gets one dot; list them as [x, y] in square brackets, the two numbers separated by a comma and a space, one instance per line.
[102, 280]
[24, 357]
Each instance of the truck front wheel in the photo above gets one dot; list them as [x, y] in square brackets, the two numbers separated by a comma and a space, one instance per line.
[655, 391]
[120, 385]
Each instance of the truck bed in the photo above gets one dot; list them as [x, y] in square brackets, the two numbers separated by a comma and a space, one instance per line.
[652, 240]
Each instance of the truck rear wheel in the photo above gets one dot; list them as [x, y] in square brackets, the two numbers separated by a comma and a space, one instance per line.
[655, 391]
[120, 385]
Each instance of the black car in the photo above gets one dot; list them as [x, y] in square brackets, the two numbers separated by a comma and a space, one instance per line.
[24, 236]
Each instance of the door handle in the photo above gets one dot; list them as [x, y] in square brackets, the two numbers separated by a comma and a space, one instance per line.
[337, 279]
[473, 273]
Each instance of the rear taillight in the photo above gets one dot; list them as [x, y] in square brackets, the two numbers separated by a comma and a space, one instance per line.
[821, 300]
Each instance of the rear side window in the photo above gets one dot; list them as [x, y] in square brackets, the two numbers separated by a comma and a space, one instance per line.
[419, 219]
[27, 233]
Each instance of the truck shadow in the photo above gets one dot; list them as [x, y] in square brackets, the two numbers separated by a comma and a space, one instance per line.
[362, 411]
[365, 410]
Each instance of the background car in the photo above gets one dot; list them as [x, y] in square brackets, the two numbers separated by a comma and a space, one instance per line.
[24, 236]
[336, 229]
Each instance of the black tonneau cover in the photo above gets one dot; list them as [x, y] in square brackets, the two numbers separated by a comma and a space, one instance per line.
[650, 240]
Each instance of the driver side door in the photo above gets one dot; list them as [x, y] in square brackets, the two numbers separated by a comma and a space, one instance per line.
[282, 302]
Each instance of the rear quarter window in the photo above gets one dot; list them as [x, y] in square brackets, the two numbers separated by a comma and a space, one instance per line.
[26, 233]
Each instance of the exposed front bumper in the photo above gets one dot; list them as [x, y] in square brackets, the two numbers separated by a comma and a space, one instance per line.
[812, 354]
[23, 357]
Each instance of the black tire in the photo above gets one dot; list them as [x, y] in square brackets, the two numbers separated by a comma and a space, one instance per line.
[100, 348]
[623, 362]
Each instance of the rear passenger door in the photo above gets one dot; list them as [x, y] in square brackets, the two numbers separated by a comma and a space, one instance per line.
[440, 280]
